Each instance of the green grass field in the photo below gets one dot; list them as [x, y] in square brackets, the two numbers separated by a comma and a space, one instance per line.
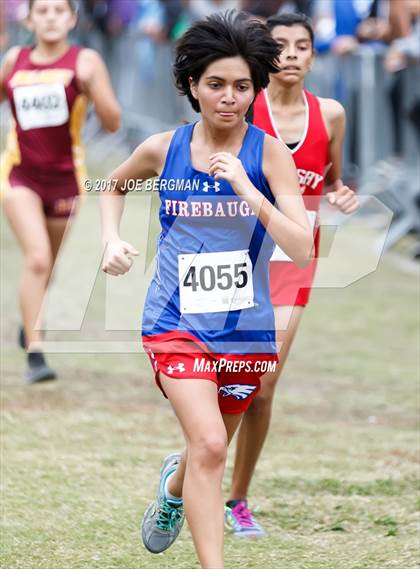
[337, 485]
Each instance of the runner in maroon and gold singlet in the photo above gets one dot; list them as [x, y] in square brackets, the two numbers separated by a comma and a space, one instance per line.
[49, 86]
[313, 129]
[44, 151]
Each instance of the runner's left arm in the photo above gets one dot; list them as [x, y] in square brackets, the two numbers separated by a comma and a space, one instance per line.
[6, 67]
[288, 225]
[95, 82]
[341, 196]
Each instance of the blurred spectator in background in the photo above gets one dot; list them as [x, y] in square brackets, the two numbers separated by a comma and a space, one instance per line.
[342, 25]
[3, 31]
[104, 20]
[96, 12]
[406, 49]
[157, 22]
[120, 15]
[12, 16]
[402, 53]
[376, 26]
[176, 18]
[266, 8]
[149, 27]
[199, 9]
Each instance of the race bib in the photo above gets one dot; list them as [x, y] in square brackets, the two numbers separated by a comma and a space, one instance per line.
[215, 282]
[40, 106]
[279, 254]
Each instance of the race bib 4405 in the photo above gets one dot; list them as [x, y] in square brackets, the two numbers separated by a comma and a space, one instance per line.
[215, 282]
[40, 106]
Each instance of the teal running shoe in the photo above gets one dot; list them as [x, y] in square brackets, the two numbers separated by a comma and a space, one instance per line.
[164, 518]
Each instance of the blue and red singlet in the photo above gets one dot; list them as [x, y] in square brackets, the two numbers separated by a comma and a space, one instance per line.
[210, 291]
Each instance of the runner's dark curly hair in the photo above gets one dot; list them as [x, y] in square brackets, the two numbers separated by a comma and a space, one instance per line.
[230, 34]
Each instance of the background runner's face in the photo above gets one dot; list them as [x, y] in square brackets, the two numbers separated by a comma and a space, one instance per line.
[51, 20]
[297, 54]
[225, 91]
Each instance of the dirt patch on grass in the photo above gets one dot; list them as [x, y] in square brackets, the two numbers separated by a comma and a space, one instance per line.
[80, 389]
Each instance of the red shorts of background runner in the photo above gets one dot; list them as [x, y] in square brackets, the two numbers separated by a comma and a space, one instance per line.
[289, 284]
[57, 190]
[182, 356]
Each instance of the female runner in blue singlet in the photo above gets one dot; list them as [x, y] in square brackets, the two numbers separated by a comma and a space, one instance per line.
[208, 324]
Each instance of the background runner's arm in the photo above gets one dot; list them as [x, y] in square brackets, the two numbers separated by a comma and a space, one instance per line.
[95, 82]
[288, 225]
[7, 65]
[341, 196]
[336, 119]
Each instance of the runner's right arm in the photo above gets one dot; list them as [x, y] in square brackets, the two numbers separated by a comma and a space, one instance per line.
[7, 65]
[145, 162]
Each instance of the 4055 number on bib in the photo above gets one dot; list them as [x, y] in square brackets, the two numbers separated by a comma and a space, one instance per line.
[215, 282]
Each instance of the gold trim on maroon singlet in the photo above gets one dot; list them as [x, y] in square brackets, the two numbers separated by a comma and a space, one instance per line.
[10, 157]
[77, 118]
[37, 76]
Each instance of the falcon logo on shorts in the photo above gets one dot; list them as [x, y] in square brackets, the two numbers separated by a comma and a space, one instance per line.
[237, 390]
[207, 186]
[178, 367]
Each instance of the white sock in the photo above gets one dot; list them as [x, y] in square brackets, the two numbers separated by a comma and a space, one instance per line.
[168, 495]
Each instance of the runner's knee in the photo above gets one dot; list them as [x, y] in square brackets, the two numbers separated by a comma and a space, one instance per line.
[39, 262]
[209, 451]
[264, 399]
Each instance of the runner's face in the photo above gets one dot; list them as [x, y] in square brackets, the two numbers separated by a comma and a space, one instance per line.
[297, 55]
[51, 20]
[225, 91]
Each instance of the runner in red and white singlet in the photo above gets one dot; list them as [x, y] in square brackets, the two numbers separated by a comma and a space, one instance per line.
[49, 86]
[290, 285]
[313, 129]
